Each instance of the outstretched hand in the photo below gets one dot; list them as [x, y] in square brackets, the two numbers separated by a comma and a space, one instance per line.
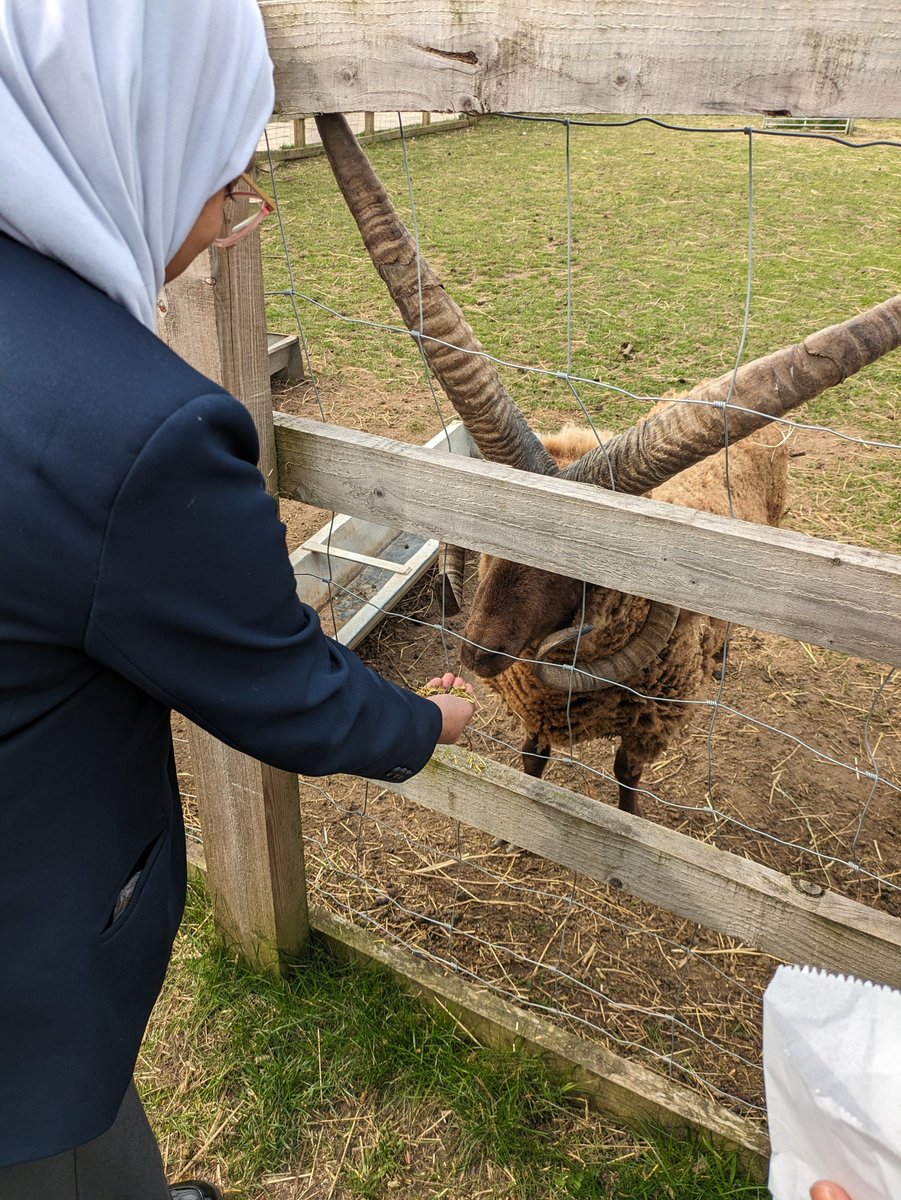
[824, 1190]
[456, 711]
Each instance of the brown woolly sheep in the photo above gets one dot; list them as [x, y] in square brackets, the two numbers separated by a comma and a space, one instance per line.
[529, 611]
[641, 712]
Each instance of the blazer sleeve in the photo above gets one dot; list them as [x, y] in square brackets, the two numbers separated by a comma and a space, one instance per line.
[195, 603]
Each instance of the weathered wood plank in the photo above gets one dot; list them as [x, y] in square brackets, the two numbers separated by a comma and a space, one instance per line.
[842, 597]
[721, 891]
[250, 815]
[214, 316]
[243, 339]
[820, 57]
[611, 1084]
[347, 537]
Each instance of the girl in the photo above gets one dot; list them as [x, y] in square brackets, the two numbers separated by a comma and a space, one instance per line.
[143, 568]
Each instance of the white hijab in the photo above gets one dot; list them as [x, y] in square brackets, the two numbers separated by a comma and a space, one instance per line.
[119, 119]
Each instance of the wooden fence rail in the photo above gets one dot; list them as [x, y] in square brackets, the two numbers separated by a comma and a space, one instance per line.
[823, 57]
[842, 597]
[712, 887]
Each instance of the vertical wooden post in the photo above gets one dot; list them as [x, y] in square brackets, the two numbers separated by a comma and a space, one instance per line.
[214, 317]
[300, 131]
[426, 118]
[368, 123]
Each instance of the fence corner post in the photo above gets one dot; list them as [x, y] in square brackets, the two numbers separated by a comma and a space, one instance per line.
[214, 317]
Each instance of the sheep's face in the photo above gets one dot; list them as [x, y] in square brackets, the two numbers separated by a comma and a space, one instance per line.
[514, 607]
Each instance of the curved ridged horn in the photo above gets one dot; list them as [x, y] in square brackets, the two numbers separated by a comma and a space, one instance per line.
[471, 383]
[449, 581]
[627, 662]
[680, 435]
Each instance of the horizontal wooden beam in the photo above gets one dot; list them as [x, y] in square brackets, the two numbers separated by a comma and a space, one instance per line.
[629, 1092]
[819, 57]
[624, 1089]
[718, 890]
[842, 597]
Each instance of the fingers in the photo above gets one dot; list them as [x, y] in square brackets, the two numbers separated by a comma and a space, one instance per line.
[824, 1190]
[456, 710]
[447, 680]
[450, 680]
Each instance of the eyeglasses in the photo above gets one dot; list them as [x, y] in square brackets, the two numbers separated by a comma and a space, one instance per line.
[246, 187]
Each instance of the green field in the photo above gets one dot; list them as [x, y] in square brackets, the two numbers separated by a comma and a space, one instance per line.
[658, 268]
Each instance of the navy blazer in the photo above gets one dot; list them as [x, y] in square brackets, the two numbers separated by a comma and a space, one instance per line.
[143, 568]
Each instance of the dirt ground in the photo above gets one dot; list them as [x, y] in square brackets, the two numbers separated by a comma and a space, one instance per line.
[785, 784]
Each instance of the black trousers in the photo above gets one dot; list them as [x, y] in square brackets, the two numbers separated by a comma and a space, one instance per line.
[122, 1164]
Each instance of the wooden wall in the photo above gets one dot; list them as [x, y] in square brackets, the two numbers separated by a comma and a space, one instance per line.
[805, 57]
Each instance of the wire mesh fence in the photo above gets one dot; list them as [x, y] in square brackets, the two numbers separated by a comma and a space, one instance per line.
[301, 133]
[790, 753]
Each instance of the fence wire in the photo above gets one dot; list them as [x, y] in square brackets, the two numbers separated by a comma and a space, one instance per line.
[792, 761]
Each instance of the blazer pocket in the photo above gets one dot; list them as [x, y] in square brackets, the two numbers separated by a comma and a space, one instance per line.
[129, 894]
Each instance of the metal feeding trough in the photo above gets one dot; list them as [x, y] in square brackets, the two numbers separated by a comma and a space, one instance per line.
[285, 358]
[353, 571]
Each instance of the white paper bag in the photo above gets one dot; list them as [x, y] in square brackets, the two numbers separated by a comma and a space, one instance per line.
[832, 1065]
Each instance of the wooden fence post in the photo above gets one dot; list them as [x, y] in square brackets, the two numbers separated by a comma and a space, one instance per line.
[214, 317]
[368, 123]
[300, 131]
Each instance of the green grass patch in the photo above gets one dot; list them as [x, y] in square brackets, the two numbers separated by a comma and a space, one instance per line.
[339, 1084]
[659, 256]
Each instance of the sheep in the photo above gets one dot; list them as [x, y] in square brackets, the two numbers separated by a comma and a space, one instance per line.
[675, 454]
[639, 713]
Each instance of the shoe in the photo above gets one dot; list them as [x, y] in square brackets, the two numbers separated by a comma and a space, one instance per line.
[194, 1189]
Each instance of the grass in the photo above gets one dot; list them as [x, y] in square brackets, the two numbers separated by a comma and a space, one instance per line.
[659, 249]
[337, 1084]
[659, 265]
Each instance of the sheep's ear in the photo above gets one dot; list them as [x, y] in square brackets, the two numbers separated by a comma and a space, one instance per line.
[449, 580]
